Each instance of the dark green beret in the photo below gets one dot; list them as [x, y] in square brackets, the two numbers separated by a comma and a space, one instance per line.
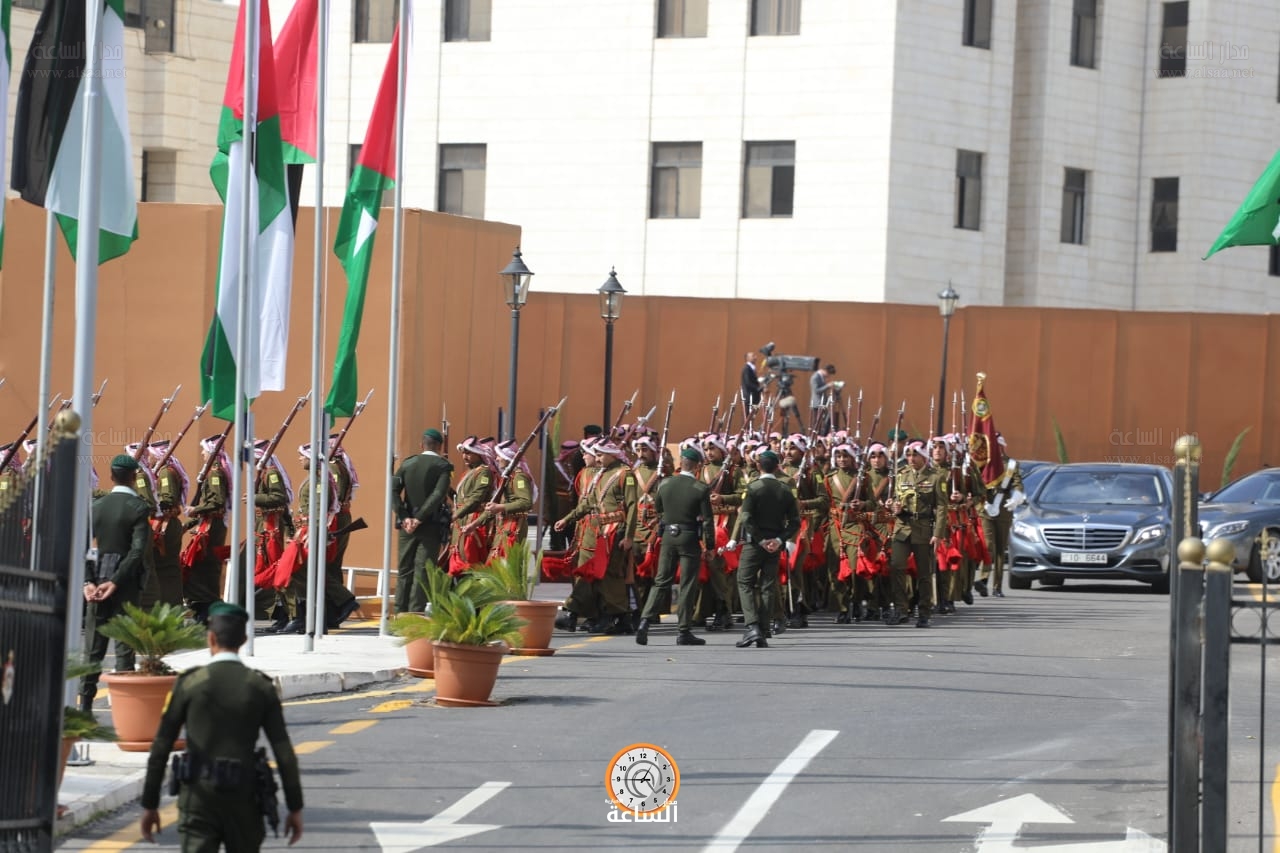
[691, 453]
[223, 608]
[124, 462]
[897, 435]
[432, 434]
[764, 455]
[592, 429]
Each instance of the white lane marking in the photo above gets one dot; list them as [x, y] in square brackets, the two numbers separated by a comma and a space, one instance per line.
[753, 810]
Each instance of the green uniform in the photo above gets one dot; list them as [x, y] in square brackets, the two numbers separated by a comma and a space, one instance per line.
[418, 490]
[273, 527]
[769, 511]
[686, 526]
[812, 500]
[150, 592]
[471, 494]
[168, 539]
[923, 516]
[336, 594]
[646, 535]
[512, 525]
[122, 531]
[845, 534]
[223, 706]
[202, 584]
[719, 595]
[611, 499]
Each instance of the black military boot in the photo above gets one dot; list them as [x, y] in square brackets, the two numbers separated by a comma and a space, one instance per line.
[642, 633]
[688, 638]
[981, 586]
[567, 620]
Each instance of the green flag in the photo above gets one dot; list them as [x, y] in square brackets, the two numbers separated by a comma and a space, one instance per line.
[1257, 222]
[374, 173]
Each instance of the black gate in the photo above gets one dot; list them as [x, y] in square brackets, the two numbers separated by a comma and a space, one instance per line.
[34, 571]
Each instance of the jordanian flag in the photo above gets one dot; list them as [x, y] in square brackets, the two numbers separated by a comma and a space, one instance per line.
[297, 75]
[267, 210]
[48, 133]
[374, 172]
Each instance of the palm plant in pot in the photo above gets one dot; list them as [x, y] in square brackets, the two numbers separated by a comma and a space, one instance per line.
[138, 698]
[470, 632]
[507, 578]
[414, 630]
[80, 725]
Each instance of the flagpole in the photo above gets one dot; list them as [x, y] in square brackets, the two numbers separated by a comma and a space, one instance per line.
[243, 467]
[397, 269]
[317, 540]
[86, 313]
[46, 358]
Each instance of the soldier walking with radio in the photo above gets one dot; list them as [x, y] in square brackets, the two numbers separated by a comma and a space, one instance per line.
[224, 792]
[687, 528]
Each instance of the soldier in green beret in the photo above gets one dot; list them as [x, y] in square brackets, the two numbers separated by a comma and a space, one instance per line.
[687, 529]
[769, 517]
[419, 489]
[223, 706]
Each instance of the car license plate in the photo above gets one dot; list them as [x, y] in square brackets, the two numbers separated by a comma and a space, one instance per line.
[1078, 557]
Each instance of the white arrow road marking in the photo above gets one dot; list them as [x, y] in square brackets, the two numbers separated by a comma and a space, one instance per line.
[1006, 817]
[753, 810]
[441, 829]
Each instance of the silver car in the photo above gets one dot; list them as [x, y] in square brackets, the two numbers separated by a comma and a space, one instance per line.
[1094, 521]
[1242, 512]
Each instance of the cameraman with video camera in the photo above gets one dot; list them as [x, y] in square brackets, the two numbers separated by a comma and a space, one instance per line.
[820, 385]
[782, 365]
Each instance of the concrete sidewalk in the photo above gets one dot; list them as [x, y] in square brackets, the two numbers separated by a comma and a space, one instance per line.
[348, 659]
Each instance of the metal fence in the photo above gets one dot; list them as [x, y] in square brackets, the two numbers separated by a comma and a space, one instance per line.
[34, 570]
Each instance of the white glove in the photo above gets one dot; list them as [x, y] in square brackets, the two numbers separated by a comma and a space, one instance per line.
[1017, 499]
[731, 545]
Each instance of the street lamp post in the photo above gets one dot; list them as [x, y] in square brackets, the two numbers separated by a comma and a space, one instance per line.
[611, 294]
[515, 285]
[947, 300]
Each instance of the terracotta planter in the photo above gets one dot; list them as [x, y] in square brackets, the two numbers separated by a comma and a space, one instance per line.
[540, 624]
[465, 675]
[421, 656]
[137, 703]
[68, 744]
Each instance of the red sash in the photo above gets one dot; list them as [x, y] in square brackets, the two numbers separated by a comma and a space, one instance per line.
[731, 558]
[948, 555]
[194, 550]
[594, 568]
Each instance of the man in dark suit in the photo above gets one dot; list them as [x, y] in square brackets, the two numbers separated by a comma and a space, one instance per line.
[419, 489]
[769, 517]
[223, 706]
[687, 529]
[750, 382]
[122, 531]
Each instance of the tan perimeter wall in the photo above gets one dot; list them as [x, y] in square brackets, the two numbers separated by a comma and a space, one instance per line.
[1121, 385]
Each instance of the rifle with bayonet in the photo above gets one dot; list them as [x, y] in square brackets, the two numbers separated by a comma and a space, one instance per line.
[510, 468]
[626, 407]
[728, 418]
[213, 457]
[355, 413]
[177, 439]
[640, 423]
[662, 441]
[893, 461]
[155, 422]
[715, 413]
[265, 461]
[444, 427]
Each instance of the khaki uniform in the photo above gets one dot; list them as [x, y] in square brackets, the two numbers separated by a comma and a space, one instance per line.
[646, 535]
[813, 502]
[996, 530]
[723, 600]
[512, 524]
[611, 499]
[471, 494]
[167, 542]
[202, 582]
[923, 516]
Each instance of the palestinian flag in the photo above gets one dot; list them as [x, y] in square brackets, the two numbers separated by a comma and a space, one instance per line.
[48, 133]
[267, 210]
[374, 172]
[297, 74]
[984, 448]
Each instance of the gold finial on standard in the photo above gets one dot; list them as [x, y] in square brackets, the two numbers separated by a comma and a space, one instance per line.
[1221, 551]
[1191, 550]
[1188, 449]
[982, 377]
[66, 424]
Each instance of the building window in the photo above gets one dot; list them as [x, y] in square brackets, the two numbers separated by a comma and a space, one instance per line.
[775, 17]
[462, 180]
[676, 191]
[1273, 267]
[467, 20]
[977, 23]
[1084, 33]
[375, 21]
[1164, 215]
[38, 5]
[1073, 197]
[682, 19]
[155, 19]
[1173, 40]
[353, 155]
[969, 190]
[769, 180]
[159, 175]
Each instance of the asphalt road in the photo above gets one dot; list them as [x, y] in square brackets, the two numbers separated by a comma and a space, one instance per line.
[858, 737]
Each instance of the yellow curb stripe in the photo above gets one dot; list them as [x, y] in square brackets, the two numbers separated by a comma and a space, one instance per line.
[389, 707]
[353, 727]
[123, 839]
[309, 746]
[1275, 810]
[601, 639]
